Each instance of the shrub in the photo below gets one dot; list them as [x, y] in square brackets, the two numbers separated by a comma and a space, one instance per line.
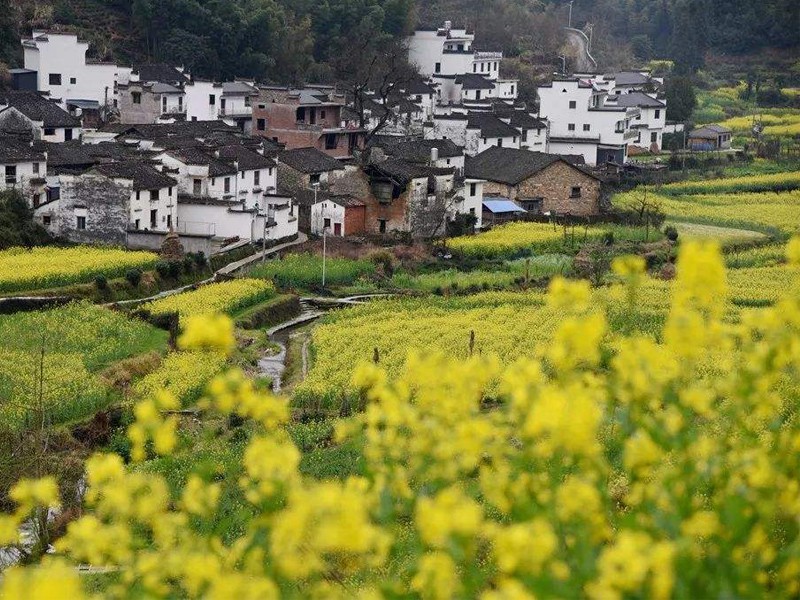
[671, 233]
[134, 276]
[101, 282]
[175, 268]
[163, 268]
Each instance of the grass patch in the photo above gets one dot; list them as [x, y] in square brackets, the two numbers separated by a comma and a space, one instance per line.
[304, 271]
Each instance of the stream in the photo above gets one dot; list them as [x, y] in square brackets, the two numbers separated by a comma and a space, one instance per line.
[274, 365]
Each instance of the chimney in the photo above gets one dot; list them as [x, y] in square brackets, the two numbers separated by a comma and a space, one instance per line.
[434, 155]
[448, 25]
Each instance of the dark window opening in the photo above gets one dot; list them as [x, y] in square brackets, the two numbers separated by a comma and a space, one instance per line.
[67, 134]
[331, 141]
[11, 175]
[153, 218]
[437, 67]
[261, 124]
[49, 130]
[154, 194]
[587, 127]
[658, 113]
[80, 223]
[169, 221]
[382, 225]
[197, 187]
[212, 99]
[473, 189]
[136, 97]
[301, 114]
[314, 178]
[326, 223]
[576, 192]
[257, 178]
[573, 104]
[46, 220]
[571, 126]
[55, 78]
[227, 185]
[73, 81]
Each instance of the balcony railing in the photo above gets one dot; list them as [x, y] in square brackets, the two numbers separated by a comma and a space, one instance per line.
[173, 110]
[236, 111]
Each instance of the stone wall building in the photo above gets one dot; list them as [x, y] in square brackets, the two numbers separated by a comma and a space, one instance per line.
[540, 183]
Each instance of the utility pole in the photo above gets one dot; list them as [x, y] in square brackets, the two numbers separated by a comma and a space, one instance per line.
[324, 249]
[570, 13]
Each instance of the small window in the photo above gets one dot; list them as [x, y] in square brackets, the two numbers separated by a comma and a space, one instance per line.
[11, 175]
[499, 142]
[256, 177]
[512, 90]
[67, 134]
[153, 218]
[137, 224]
[49, 130]
[169, 221]
[197, 187]
[322, 114]
[524, 135]
[227, 185]
[331, 141]
[653, 137]
[80, 223]
[55, 78]
[571, 127]
[73, 81]
[437, 67]
[326, 223]
[170, 192]
[314, 178]
[212, 99]
[382, 225]
[154, 195]
[473, 189]
[587, 127]
[243, 175]
[658, 113]
[46, 220]
[474, 67]
[138, 195]
[136, 97]
[36, 168]
[37, 199]
[261, 124]
[573, 104]
[576, 192]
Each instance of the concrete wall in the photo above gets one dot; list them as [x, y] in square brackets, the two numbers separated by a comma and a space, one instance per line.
[142, 240]
[148, 111]
[165, 205]
[327, 210]
[25, 172]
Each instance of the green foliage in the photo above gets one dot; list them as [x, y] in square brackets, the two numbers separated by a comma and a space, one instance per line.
[16, 219]
[681, 99]
[305, 271]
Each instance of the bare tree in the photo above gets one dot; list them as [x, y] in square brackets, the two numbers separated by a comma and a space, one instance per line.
[429, 213]
[374, 75]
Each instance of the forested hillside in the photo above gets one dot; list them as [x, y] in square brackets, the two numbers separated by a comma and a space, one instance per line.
[292, 40]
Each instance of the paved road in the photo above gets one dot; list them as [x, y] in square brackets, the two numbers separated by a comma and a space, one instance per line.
[580, 44]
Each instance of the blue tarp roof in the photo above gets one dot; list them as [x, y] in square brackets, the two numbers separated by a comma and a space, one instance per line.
[502, 205]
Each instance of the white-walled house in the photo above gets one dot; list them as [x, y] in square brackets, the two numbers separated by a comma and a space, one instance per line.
[470, 201]
[40, 117]
[23, 167]
[581, 122]
[153, 197]
[202, 100]
[200, 174]
[475, 131]
[649, 123]
[257, 174]
[63, 70]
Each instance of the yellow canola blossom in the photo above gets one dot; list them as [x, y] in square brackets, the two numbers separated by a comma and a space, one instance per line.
[482, 478]
[222, 297]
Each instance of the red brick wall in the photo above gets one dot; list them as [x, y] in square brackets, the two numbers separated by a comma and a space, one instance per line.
[394, 214]
[355, 220]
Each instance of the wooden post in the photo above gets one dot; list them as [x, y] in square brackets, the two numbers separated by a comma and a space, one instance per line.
[375, 356]
[471, 341]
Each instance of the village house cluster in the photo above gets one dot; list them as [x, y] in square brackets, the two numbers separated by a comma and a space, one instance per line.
[124, 155]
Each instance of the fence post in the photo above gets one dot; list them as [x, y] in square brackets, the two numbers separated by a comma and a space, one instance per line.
[471, 341]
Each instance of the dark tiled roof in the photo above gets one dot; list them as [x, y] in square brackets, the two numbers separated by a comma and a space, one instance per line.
[153, 131]
[247, 159]
[161, 73]
[403, 171]
[144, 176]
[709, 131]
[40, 109]
[490, 125]
[419, 87]
[631, 78]
[14, 150]
[234, 88]
[197, 156]
[510, 165]
[309, 160]
[419, 151]
[521, 119]
[473, 81]
[639, 99]
[70, 156]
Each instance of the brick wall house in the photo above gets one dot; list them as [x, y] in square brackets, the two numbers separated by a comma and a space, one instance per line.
[305, 118]
[540, 183]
